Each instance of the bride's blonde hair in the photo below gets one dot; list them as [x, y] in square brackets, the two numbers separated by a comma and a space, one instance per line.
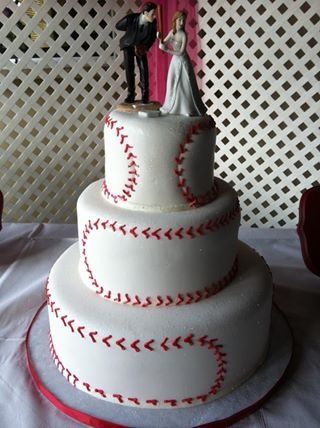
[177, 15]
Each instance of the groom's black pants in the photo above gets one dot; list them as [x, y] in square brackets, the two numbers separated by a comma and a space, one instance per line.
[142, 61]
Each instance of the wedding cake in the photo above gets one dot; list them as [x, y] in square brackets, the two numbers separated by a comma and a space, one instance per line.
[158, 304]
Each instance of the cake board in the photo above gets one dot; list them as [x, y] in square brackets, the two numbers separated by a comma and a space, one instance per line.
[91, 411]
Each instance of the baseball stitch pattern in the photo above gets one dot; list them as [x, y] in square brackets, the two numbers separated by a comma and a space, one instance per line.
[165, 346]
[130, 185]
[193, 200]
[190, 232]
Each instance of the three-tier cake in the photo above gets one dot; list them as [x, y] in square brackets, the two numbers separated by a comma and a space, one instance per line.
[159, 305]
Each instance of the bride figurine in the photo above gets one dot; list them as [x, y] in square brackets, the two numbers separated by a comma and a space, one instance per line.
[182, 93]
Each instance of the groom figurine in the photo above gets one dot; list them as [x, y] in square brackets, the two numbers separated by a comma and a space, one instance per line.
[141, 32]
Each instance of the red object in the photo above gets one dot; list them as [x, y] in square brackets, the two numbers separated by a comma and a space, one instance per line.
[1, 208]
[309, 228]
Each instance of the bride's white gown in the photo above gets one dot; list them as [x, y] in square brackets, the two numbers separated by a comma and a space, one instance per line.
[182, 93]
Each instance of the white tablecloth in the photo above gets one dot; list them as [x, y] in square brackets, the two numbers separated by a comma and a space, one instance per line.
[27, 252]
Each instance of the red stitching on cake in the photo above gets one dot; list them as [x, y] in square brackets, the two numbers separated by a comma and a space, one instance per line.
[178, 232]
[108, 295]
[70, 325]
[133, 180]
[106, 339]
[118, 298]
[153, 402]
[119, 397]
[137, 301]
[167, 234]
[212, 344]
[176, 344]
[190, 340]
[113, 225]
[164, 344]
[69, 374]
[189, 297]
[133, 163]
[122, 138]
[203, 340]
[60, 365]
[133, 232]
[128, 188]
[134, 400]
[92, 335]
[104, 223]
[120, 343]
[127, 148]
[155, 233]
[134, 345]
[159, 301]
[87, 386]
[145, 232]
[80, 329]
[75, 379]
[188, 400]
[190, 198]
[180, 299]
[148, 344]
[203, 397]
[63, 319]
[101, 392]
[147, 302]
[128, 298]
[118, 129]
[172, 403]
[169, 301]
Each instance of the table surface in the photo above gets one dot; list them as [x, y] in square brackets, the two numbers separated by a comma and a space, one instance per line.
[28, 251]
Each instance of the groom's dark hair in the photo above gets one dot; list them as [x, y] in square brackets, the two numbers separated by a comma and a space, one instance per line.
[148, 6]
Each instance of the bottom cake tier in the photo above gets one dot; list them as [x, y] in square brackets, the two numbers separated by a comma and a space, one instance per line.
[159, 357]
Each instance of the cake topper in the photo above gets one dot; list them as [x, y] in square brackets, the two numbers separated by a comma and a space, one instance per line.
[182, 93]
[140, 34]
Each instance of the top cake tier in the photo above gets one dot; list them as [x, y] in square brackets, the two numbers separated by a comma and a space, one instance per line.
[162, 163]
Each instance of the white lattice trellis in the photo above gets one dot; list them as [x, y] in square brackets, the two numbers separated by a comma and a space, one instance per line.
[60, 71]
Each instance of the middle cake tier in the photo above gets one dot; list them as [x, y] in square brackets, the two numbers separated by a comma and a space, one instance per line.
[147, 258]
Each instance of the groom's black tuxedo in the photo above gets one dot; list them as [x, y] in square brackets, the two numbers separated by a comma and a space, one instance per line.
[136, 34]
[135, 43]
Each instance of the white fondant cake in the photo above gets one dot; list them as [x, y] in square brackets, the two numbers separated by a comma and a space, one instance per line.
[159, 357]
[159, 305]
[163, 163]
[150, 258]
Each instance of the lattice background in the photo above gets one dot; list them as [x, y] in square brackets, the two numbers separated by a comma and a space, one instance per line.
[60, 71]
